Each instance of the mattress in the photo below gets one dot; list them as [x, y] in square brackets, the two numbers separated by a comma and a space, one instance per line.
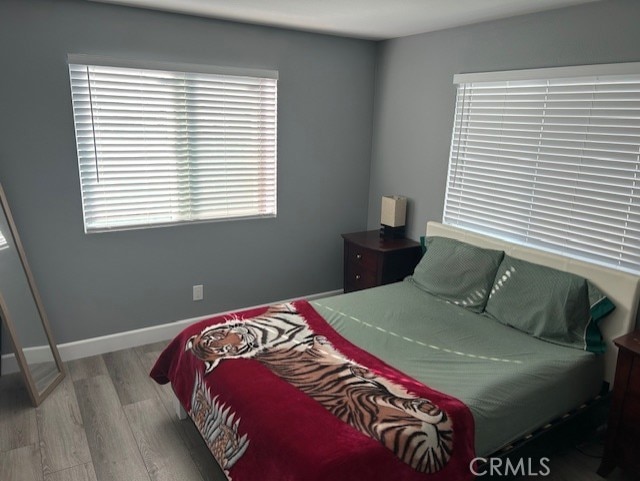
[512, 383]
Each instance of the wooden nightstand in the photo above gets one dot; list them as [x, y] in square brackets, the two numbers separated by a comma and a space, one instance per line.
[371, 261]
[623, 432]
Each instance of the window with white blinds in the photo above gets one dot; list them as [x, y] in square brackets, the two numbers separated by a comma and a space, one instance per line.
[160, 146]
[550, 158]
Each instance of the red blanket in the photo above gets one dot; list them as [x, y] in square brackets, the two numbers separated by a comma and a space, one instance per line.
[278, 395]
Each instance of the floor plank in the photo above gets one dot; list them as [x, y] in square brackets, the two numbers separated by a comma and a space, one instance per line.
[63, 443]
[21, 464]
[163, 451]
[84, 472]
[17, 417]
[148, 355]
[112, 445]
[202, 457]
[131, 380]
[206, 464]
[86, 367]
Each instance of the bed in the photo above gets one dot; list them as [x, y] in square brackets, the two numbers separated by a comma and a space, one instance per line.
[473, 385]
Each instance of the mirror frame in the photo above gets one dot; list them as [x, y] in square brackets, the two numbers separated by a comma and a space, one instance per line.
[36, 397]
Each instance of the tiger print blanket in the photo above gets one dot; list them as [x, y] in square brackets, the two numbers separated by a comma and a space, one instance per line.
[277, 394]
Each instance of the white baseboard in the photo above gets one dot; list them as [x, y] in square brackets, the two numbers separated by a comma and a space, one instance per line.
[33, 355]
[124, 340]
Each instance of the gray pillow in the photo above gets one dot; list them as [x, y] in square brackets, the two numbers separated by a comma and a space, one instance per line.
[547, 303]
[457, 272]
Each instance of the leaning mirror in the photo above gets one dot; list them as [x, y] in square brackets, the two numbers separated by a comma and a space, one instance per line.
[22, 312]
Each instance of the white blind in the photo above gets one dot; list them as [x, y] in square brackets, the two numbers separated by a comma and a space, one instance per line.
[554, 163]
[163, 146]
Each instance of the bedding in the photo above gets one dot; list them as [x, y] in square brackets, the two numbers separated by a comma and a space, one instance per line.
[549, 304]
[600, 306]
[278, 394]
[512, 382]
[458, 272]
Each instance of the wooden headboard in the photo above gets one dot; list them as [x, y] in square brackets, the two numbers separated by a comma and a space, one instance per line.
[621, 287]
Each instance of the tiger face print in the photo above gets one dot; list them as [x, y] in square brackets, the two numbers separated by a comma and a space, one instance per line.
[414, 429]
[230, 342]
[236, 339]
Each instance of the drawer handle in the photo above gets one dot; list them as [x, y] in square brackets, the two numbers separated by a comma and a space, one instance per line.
[358, 256]
[357, 277]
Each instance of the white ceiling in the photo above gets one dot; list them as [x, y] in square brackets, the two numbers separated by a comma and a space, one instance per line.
[370, 19]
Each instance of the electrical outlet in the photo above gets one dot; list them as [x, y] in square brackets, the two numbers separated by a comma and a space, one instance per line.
[198, 293]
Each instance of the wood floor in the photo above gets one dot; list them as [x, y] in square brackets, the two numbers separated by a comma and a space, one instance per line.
[108, 421]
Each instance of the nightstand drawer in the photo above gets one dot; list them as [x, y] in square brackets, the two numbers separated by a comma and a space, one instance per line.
[633, 387]
[362, 259]
[357, 279]
[630, 425]
[631, 415]
[628, 449]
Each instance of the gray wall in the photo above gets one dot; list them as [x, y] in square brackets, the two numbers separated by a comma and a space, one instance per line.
[414, 101]
[98, 284]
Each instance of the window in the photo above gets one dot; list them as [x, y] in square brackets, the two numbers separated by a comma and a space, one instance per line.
[172, 143]
[550, 158]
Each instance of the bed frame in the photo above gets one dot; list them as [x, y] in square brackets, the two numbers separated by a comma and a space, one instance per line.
[621, 287]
